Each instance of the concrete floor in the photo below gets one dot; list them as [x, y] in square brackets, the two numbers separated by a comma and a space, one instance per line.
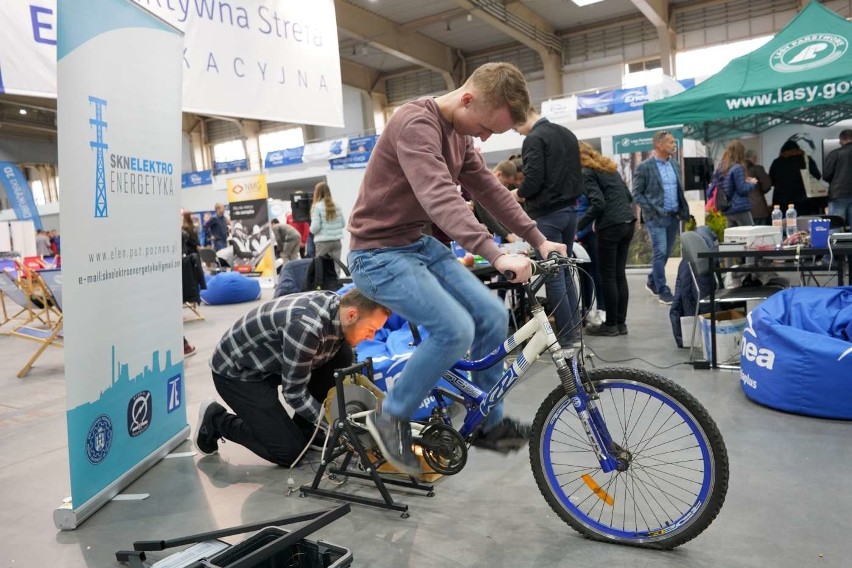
[788, 504]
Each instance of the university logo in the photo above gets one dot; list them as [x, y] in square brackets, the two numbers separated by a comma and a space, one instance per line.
[808, 52]
[139, 412]
[100, 148]
[174, 393]
[99, 439]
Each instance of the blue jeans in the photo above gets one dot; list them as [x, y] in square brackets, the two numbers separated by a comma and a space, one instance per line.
[560, 227]
[424, 283]
[663, 232]
[842, 207]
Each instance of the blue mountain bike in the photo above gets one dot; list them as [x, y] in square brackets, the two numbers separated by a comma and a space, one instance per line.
[621, 455]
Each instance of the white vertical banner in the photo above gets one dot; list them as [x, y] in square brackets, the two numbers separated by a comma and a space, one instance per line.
[119, 124]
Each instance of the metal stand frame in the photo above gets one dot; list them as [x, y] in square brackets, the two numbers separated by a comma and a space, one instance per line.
[345, 432]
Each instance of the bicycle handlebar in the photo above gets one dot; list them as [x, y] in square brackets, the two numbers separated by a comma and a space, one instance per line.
[554, 262]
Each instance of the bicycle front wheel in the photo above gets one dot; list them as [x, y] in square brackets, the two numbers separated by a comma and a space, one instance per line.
[677, 474]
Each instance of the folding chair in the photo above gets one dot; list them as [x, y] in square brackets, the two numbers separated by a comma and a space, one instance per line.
[9, 289]
[32, 285]
[691, 244]
[19, 293]
[192, 278]
[208, 258]
[193, 307]
[52, 335]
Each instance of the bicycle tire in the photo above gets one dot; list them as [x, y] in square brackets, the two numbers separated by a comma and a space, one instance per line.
[667, 397]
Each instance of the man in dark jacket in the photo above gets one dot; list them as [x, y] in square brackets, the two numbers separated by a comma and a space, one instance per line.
[838, 173]
[216, 228]
[658, 190]
[552, 183]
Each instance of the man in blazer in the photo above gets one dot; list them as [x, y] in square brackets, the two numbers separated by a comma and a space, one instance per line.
[658, 190]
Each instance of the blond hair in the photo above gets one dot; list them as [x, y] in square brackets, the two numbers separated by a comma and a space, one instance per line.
[594, 160]
[734, 154]
[507, 168]
[502, 84]
[323, 193]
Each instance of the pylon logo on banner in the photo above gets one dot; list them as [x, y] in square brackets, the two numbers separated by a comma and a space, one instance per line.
[100, 148]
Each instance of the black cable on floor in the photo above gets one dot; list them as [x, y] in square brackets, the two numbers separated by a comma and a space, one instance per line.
[643, 360]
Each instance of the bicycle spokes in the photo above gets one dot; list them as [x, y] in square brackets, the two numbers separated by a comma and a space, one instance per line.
[666, 464]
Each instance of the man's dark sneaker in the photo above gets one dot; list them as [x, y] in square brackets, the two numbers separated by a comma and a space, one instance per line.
[206, 438]
[605, 330]
[666, 298]
[394, 439]
[508, 435]
[650, 287]
[622, 329]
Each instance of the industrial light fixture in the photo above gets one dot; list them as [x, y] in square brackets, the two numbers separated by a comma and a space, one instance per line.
[23, 111]
[585, 2]
[469, 17]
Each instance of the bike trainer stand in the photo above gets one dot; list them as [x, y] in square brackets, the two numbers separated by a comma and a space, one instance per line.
[346, 433]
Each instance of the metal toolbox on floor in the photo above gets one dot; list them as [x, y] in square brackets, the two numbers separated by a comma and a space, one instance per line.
[301, 554]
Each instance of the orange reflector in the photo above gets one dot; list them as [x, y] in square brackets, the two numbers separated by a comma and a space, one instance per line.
[596, 489]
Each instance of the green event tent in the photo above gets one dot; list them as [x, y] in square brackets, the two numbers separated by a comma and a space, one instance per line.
[803, 75]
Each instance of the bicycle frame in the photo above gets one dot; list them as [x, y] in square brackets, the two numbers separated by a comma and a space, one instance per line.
[539, 337]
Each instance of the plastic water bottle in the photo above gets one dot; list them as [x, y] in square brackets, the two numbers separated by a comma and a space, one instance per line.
[778, 221]
[790, 219]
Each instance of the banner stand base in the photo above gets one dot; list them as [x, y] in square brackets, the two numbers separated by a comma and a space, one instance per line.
[67, 518]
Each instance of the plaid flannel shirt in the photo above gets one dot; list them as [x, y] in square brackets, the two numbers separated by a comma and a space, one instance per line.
[289, 336]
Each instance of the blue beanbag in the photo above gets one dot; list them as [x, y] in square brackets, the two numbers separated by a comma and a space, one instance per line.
[230, 288]
[797, 352]
[390, 353]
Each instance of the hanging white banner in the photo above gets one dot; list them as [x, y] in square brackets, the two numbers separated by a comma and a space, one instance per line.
[261, 59]
[119, 152]
[28, 47]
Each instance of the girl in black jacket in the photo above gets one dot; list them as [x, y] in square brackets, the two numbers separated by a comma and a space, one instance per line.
[611, 209]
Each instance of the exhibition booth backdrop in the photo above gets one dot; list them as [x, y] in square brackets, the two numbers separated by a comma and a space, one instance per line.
[801, 76]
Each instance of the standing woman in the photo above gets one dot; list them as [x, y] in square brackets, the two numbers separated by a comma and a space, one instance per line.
[192, 274]
[737, 186]
[326, 222]
[611, 209]
[189, 234]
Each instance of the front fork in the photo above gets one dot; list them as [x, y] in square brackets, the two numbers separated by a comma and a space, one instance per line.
[571, 373]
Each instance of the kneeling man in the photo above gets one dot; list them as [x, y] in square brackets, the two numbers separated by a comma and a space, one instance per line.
[297, 342]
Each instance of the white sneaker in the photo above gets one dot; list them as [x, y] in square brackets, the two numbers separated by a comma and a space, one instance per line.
[593, 317]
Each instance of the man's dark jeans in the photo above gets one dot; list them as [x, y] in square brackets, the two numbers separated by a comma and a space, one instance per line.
[560, 227]
[261, 423]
